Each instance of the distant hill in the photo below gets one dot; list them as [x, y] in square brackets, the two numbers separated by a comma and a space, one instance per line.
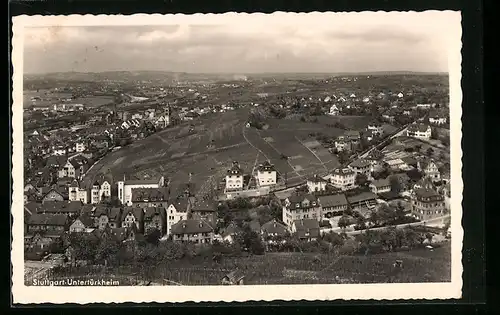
[184, 76]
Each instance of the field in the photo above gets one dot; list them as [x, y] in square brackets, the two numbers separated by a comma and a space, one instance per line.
[51, 98]
[419, 265]
[206, 147]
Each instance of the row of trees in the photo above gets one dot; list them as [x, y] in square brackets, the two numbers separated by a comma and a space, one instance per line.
[384, 215]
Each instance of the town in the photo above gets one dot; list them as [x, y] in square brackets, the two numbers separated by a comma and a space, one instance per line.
[210, 179]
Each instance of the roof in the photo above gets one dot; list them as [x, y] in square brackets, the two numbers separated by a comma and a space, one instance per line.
[191, 226]
[149, 194]
[74, 183]
[274, 227]
[87, 209]
[68, 207]
[352, 134]
[254, 226]
[180, 204]
[364, 196]
[299, 199]
[86, 220]
[114, 214]
[343, 171]
[304, 226]
[384, 182]
[425, 193]
[56, 160]
[317, 179]
[418, 127]
[333, 200]
[204, 205]
[150, 212]
[235, 170]
[410, 160]
[360, 163]
[48, 219]
[138, 213]
[266, 167]
[32, 206]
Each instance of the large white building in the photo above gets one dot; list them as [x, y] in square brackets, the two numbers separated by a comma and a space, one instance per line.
[298, 207]
[343, 178]
[99, 191]
[316, 183]
[419, 131]
[177, 211]
[125, 187]
[266, 175]
[75, 193]
[375, 128]
[234, 178]
[79, 147]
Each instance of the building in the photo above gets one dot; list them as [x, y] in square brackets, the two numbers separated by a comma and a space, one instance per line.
[99, 191]
[53, 194]
[150, 197]
[155, 218]
[333, 205]
[177, 211]
[379, 186]
[316, 183]
[204, 210]
[83, 224]
[133, 216]
[334, 110]
[362, 201]
[47, 223]
[108, 217]
[396, 164]
[266, 174]
[70, 208]
[80, 147]
[427, 204]
[375, 128]
[125, 187]
[75, 193]
[342, 144]
[437, 118]
[419, 131]
[69, 169]
[343, 178]
[306, 229]
[273, 229]
[361, 167]
[192, 230]
[430, 169]
[303, 206]
[234, 178]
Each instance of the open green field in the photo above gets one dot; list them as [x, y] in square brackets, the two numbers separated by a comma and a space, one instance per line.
[218, 139]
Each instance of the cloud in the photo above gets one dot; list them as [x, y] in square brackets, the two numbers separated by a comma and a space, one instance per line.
[348, 42]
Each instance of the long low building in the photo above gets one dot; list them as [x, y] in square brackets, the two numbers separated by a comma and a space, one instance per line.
[364, 200]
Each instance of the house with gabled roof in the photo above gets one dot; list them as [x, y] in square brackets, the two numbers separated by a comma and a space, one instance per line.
[106, 216]
[51, 224]
[266, 174]
[333, 205]
[133, 216]
[379, 186]
[177, 210]
[77, 193]
[204, 210]
[82, 224]
[301, 206]
[306, 229]
[430, 169]
[316, 183]
[52, 194]
[234, 177]
[419, 131]
[192, 230]
[273, 229]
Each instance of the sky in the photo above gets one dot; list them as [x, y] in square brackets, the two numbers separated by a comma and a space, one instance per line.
[326, 43]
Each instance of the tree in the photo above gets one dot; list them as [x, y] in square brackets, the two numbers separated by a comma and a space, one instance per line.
[386, 213]
[395, 184]
[83, 247]
[361, 179]
[334, 238]
[153, 237]
[344, 222]
[360, 223]
[430, 151]
[107, 251]
[434, 134]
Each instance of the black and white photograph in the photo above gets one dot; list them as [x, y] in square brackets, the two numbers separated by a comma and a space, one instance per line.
[258, 151]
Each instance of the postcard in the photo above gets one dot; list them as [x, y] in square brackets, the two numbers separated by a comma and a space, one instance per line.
[237, 157]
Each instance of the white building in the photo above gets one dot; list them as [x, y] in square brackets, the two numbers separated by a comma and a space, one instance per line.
[266, 175]
[59, 151]
[176, 212]
[316, 183]
[424, 106]
[430, 169]
[334, 110]
[343, 178]
[100, 191]
[419, 131]
[380, 186]
[362, 167]
[125, 187]
[79, 147]
[400, 95]
[375, 128]
[234, 178]
[75, 193]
